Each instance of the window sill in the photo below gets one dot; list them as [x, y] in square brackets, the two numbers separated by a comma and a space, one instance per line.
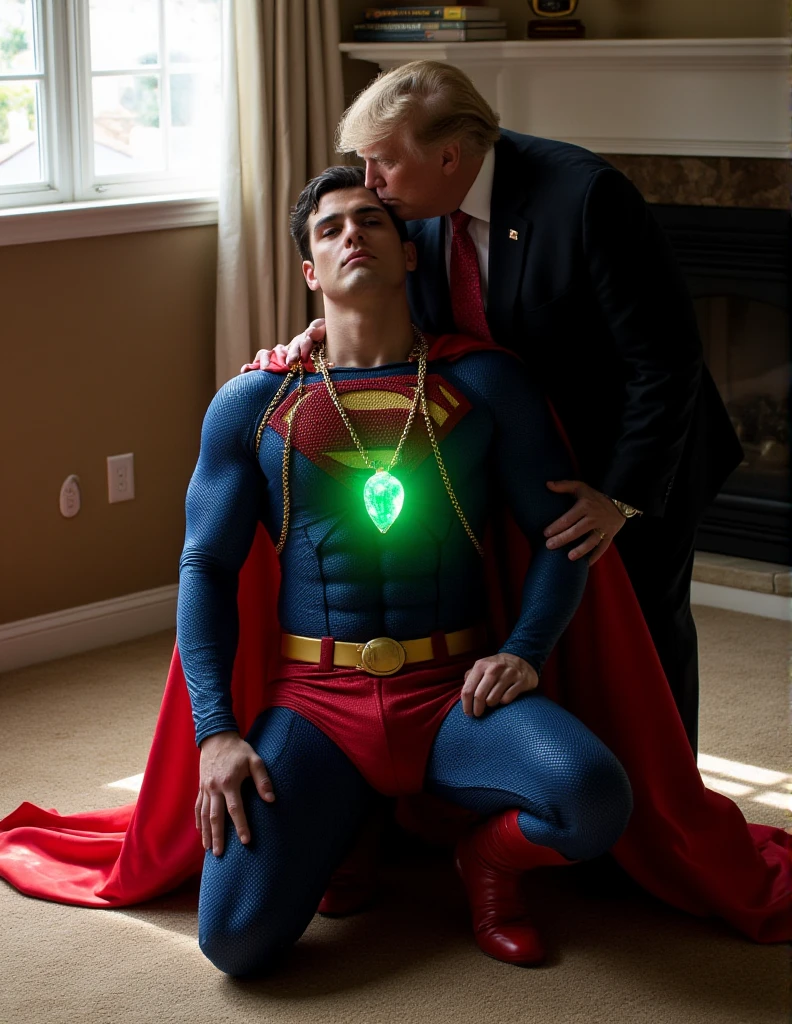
[21, 225]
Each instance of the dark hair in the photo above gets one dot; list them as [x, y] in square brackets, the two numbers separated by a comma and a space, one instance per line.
[334, 179]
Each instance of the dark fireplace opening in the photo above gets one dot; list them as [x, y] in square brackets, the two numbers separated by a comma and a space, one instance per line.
[736, 262]
[745, 347]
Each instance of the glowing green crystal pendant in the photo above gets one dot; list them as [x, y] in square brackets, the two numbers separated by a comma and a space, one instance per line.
[383, 495]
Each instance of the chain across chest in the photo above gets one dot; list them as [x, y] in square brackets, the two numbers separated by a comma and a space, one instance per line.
[319, 420]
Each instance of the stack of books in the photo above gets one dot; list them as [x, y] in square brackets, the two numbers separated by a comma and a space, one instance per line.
[430, 25]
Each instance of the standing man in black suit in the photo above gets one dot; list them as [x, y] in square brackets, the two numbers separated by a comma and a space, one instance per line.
[574, 274]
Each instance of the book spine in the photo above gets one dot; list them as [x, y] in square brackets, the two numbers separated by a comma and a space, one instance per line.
[444, 13]
[453, 36]
[443, 35]
[401, 26]
[427, 26]
[380, 14]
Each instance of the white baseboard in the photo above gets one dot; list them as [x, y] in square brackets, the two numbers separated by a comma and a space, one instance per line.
[45, 637]
[769, 606]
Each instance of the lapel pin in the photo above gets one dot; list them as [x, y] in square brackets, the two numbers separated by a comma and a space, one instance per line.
[513, 235]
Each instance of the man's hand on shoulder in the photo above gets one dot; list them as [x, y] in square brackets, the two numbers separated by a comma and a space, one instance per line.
[593, 517]
[226, 761]
[298, 349]
[498, 679]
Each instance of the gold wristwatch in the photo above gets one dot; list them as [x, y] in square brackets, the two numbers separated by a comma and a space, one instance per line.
[626, 510]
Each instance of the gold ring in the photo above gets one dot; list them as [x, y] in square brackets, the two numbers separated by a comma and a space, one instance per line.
[602, 536]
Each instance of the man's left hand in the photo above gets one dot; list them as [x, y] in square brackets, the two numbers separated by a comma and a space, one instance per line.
[593, 517]
[496, 680]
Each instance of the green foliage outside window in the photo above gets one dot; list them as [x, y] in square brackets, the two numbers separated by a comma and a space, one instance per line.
[13, 42]
[143, 96]
[14, 97]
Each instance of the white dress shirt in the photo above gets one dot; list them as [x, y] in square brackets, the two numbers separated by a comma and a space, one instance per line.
[477, 204]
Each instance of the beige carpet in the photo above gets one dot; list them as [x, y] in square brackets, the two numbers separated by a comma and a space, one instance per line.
[618, 955]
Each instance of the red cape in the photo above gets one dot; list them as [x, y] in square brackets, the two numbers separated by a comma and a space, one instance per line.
[685, 844]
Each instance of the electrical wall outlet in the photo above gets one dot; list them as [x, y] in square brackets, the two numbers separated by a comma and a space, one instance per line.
[70, 497]
[120, 477]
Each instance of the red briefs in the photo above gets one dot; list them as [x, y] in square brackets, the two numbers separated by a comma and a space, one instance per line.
[384, 724]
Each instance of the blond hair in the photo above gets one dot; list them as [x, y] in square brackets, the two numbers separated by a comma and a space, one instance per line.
[436, 102]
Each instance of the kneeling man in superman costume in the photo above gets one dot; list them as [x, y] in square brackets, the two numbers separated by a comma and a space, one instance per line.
[376, 470]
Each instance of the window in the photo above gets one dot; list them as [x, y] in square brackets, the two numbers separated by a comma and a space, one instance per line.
[108, 99]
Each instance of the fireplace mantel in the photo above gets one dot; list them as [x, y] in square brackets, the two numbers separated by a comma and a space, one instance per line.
[682, 97]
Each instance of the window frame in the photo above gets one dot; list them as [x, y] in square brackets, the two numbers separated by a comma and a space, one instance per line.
[54, 108]
[66, 205]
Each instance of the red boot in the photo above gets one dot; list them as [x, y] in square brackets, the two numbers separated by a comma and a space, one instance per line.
[354, 882]
[490, 862]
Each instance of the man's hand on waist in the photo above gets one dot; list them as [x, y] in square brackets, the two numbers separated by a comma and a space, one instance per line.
[593, 517]
[298, 349]
[498, 679]
[226, 761]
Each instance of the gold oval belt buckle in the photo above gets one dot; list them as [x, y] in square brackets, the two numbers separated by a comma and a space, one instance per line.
[382, 656]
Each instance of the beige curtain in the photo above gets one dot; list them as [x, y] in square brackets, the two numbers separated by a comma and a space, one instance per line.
[283, 97]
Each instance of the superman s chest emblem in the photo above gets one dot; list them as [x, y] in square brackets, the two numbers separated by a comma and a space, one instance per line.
[378, 409]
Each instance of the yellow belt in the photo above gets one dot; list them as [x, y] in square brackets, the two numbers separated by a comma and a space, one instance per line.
[381, 656]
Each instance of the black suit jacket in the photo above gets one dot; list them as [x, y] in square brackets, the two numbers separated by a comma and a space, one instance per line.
[589, 294]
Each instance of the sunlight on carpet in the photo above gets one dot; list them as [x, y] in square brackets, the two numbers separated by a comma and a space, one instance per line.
[762, 779]
[132, 783]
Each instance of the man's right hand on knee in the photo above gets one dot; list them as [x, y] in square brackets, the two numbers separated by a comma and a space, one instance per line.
[226, 761]
[299, 348]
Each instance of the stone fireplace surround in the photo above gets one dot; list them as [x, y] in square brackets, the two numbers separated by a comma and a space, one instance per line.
[743, 182]
[672, 183]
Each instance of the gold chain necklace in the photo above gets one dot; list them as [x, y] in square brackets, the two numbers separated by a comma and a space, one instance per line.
[421, 350]
[383, 493]
[385, 496]
[298, 369]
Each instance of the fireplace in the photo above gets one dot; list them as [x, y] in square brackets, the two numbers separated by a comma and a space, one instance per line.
[737, 266]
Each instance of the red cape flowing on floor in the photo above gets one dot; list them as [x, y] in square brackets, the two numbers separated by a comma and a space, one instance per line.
[685, 844]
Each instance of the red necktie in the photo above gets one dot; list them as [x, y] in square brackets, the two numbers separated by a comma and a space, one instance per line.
[466, 300]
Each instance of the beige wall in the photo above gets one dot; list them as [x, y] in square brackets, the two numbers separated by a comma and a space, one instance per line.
[106, 346]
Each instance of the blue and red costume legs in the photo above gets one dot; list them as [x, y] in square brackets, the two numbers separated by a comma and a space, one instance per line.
[567, 794]
[552, 793]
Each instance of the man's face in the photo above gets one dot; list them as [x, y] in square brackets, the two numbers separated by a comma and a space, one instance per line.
[414, 184]
[355, 246]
